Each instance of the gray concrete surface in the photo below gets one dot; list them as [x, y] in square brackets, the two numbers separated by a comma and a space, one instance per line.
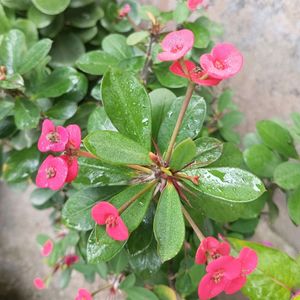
[267, 32]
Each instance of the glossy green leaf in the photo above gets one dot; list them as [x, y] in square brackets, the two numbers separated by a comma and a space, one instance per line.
[35, 56]
[201, 34]
[164, 292]
[168, 226]
[191, 125]
[62, 110]
[27, 114]
[41, 196]
[140, 293]
[99, 120]
[96, 62]
[113, 147]
[13, 82]
[134, 64]
[93, 173]
[287, 175]
[100, 246]
[137, 37]
[183, 154]
[161, 100]
[275, 275]
[115, 44]
[29, 29]
[208, 150]
[128, 106]
[52, 7]
[16, 4]
[6, 107]
[39, 19]
[54, 28]
[294, 206]
[7, 127]
[277, 138]
[76, 212]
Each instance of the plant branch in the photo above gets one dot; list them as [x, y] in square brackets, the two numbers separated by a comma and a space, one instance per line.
[132, 23]
[196, 229]
[148, 61]
[188, 96]
[86, 154]
[140, 168]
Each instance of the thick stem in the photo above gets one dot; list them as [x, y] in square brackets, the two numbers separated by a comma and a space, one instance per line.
[135, 197]
[196, 229]
[188, 96]
[86, 154]
[145, 71]
[134, 26]
[101, 289]
[140, 168]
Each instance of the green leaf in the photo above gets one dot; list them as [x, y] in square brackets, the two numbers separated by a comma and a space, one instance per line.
[244, 226]
[140, 293]
[128, 106]
[261, 160]
[137, 37]
[275, 275]
[161, 100]
[13, 47]
[191, 125]
[164, 292]
[12, 82]
[168, 226]
[41, 196]
[128, 282]
[208, 150]
[39, 19]
[27, 114]
[100, 246]
[21, 164]
[4, 21]
[53, 7]
[35, 56]
[29, 29]
[287, 175]
[294, 206]
[183, 154]
[94, 173]
[115, 44]
[202, 36]
[62, 110]
[225, 101]
[7, 127]
[113, 147]
[276, 138]
[96, 62]
[227, 184]
[181, 13]
[76, 212]
[6, 107]
[99, 120]
[134, 64]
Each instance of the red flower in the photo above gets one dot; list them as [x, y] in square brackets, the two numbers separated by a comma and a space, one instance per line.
[224, 61]
[193, 4]
[220, 273]
[52, 173]
[83, 294]
[176, 44]
[74, 137]
[47, 248]
[194, 74]
[52, 138]
[213, 248]
[71, 259]
[39, 283]
[248, 260]
[73, 168]
[105, 213]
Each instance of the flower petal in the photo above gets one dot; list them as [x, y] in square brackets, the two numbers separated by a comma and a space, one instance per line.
[74, 133]
[83, 294]
[119, 232]
[248, 259]
[39, 283]
[47, 248]
[73, 167]
[235, 285]
[101, 211]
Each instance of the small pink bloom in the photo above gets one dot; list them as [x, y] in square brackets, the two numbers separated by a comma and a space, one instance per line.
[39, 283]
[176, 45]
[72, 163]
[296, 296]
[52, 173]
[213, 248]
[74, 140]
[194, 74]
[71, 259]
[223, 62]
[193, 4]
[83, 294]
[124, 11]
[105, 213]
[47, 248]
[248, 260]
[219, 274]
[52, 138]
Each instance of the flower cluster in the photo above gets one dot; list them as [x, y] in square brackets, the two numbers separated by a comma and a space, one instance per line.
[223, 62]
[224, 272]
[83, 294]
[55, 171]
[105, 213]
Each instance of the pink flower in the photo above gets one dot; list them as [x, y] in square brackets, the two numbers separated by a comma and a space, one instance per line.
[213, 248]
[52, 173]
[72, 164]
[193, 4]
[47, 248]
[39, 283]
[220, 272]
[224, 61]
[194, 73]
[71, 259]
[124, 11]
[52, 138]
[74, 137]
[105, 213]
[248, 260]
[176, 45]
[83, 294]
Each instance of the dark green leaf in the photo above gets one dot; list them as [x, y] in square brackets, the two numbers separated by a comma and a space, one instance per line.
[6, 107]
[115, 44]
[202, 36]
[27, 114]
[41, 196]
[294, 206]
[140, 293]
[62, 110]
[39, 19]
[99, 120]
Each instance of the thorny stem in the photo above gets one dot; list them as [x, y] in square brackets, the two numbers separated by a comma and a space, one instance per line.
[140, 168]
[134, 26]
[135, 197]
[198, 232]
[144, 73]
[101, 289]
[86, 154]
[188, 96]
